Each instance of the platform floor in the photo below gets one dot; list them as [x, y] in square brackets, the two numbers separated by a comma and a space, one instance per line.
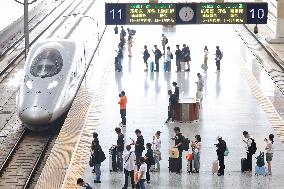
[229, 107]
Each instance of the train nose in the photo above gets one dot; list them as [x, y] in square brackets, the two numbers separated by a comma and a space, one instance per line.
[35, 116]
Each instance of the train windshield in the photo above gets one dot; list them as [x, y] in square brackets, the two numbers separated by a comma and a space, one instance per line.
[47, 63]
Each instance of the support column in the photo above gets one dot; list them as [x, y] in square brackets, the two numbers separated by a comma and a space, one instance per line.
[279, 36]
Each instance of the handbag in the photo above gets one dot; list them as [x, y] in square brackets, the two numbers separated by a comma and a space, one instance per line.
[91, 162]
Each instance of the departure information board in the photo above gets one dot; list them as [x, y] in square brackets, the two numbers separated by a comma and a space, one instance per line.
[185, 13]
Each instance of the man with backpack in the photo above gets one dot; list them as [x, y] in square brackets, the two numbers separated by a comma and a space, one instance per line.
[251, 149]
[219, 56]
[158, 55]
[179, 143]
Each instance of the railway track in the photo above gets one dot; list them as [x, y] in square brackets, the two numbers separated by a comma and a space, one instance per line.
[12, 130]
[21, 164]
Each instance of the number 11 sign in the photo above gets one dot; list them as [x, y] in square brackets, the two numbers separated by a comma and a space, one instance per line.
[115, 14]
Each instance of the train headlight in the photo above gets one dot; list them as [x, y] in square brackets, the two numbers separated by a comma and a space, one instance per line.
[29, 84]
[52, 84]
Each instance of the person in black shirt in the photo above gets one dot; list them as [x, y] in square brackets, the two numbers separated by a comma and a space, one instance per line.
[119, 147]
[158, 55]
[176, 89]
[186, 56]
[139, 145]
[179, 139]
[146, 56]
[95, 144]
[178, 58]
[96, 150]
[149, 159]
[218, 58]
[172, 105]
[221, 147]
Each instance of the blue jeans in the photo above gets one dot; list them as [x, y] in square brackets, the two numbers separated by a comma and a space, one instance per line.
[98, 171]
[119, 160]
[142, 184]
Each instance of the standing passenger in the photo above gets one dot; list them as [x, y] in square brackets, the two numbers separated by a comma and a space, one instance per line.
[178, 58]
[164, 42]
[98, 156]
[142, 173]
[157, 149]
[251, 149]
[172, 104]
[146, 56]
[205, 65]
[119, 148]
[122, 102]
[149, 159]
[179, 139]
[269, 151]
[200, 85]
[221, 147]
[218, 58]
[139, 145]
[129, 164]
[196, 153]
[158, 55]
[169, 59]
[129, 45]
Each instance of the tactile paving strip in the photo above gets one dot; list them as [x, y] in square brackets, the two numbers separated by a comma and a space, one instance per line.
[272, 115]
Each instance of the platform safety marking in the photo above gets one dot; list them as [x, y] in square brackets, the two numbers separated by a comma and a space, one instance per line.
[82, 153]
[271, 113]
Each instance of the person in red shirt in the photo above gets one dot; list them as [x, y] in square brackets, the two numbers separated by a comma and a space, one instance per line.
[122, 102]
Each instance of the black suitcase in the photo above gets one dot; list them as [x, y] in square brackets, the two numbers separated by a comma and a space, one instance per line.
[244, 164]
[174, 165]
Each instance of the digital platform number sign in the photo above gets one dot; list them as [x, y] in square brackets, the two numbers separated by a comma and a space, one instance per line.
[185, 13]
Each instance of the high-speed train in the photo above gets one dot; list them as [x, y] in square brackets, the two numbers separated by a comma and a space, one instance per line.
[53, 72]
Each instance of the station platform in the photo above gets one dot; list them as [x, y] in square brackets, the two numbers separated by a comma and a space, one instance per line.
[234, 101]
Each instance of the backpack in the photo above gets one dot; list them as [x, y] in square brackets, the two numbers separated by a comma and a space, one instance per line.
[221, 55]
[147, 55]
[226, 153]
[260, 160]
[102, 156]
[159, 54]
[185, 144]
[252, 149]
[171, 56]
[132, 32]
[166, 41]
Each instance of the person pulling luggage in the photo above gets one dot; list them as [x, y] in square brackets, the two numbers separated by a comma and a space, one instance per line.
[179, 139]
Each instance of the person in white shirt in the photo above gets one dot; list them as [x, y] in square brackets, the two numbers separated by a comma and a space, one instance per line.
[269, 151]
[156, 147]
[249, 148]
[200, 85]
[129, 165]
[142, 173]
[169, 58]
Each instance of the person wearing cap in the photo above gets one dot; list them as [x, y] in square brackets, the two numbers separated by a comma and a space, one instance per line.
[157, 147]
[221, 148]
[178, 58]
[83, 184]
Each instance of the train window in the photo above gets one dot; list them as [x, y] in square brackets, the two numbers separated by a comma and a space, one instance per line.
[47, 63]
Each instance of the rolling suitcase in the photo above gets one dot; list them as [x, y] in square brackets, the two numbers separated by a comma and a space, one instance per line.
[174, 165]
[244, 166]
[182, 65]
[151, 66]
[112, 160]
[165, 67]
[261, 170]
[215, 166]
